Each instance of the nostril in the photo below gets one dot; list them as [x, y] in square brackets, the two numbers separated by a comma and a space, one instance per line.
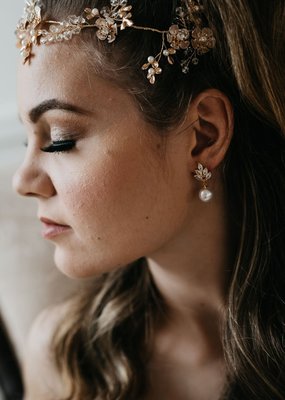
[30, 194]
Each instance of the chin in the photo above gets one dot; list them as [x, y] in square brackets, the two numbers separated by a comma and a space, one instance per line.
[76, 267]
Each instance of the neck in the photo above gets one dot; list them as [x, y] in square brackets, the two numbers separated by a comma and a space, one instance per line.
[191, 274]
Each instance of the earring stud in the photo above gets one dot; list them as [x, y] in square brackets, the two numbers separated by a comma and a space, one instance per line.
[202, 174]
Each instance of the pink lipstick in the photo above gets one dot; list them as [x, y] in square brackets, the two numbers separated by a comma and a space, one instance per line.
[51, 228]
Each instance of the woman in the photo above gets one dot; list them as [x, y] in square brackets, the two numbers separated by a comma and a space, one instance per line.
[156, 154]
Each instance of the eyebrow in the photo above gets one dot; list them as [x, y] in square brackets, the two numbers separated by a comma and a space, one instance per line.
[53, 104]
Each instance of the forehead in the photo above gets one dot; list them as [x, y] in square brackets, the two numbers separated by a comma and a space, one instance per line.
[62, 71]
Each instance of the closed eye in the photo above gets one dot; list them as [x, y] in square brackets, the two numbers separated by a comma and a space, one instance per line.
[59, 146]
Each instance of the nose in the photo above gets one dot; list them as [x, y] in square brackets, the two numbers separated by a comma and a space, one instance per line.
[32, 180]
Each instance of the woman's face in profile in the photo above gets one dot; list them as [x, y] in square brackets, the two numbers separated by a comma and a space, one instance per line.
[107, 183]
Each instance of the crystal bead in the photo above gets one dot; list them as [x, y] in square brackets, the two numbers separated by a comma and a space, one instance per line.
[25, 53]
[73, 19]
[67, 35]
[54, 28]
[77, 30]
[38, 10]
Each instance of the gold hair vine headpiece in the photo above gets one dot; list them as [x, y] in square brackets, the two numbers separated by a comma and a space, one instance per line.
[186, 35]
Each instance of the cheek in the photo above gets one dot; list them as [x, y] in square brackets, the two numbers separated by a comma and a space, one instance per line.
[121, 208]
[108, 189]
[119, 191]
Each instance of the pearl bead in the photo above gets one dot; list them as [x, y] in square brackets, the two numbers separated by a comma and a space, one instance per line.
[205, 195]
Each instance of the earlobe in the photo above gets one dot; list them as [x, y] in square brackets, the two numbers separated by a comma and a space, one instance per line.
[213, 128]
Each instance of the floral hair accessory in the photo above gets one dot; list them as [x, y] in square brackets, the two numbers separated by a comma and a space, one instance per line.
[184, 41]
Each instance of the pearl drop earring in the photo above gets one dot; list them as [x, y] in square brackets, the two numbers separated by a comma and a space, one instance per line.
[203, 175]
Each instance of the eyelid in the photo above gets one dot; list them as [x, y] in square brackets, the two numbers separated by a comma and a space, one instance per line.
[58, 135]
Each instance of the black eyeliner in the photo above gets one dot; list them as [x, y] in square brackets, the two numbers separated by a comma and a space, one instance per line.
[59, 146]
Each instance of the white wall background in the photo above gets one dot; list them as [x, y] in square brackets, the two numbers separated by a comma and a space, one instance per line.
[29, 280]
[10, 129]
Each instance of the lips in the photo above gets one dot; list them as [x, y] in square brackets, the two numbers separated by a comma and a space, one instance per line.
[50, 228]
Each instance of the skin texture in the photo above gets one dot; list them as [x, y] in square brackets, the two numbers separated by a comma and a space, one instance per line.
[125, 196]
[120, 198]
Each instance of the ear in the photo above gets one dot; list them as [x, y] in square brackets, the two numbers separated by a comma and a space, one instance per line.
[213, 128]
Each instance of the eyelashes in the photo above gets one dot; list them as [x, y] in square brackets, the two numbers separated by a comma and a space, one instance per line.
[59, 146]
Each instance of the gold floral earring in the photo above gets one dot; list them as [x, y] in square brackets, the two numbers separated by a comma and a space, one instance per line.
[203, 175]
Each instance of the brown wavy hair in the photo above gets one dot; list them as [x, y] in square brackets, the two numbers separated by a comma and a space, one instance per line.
[103, 344]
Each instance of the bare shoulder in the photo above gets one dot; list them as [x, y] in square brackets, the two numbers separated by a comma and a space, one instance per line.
[41, 377]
